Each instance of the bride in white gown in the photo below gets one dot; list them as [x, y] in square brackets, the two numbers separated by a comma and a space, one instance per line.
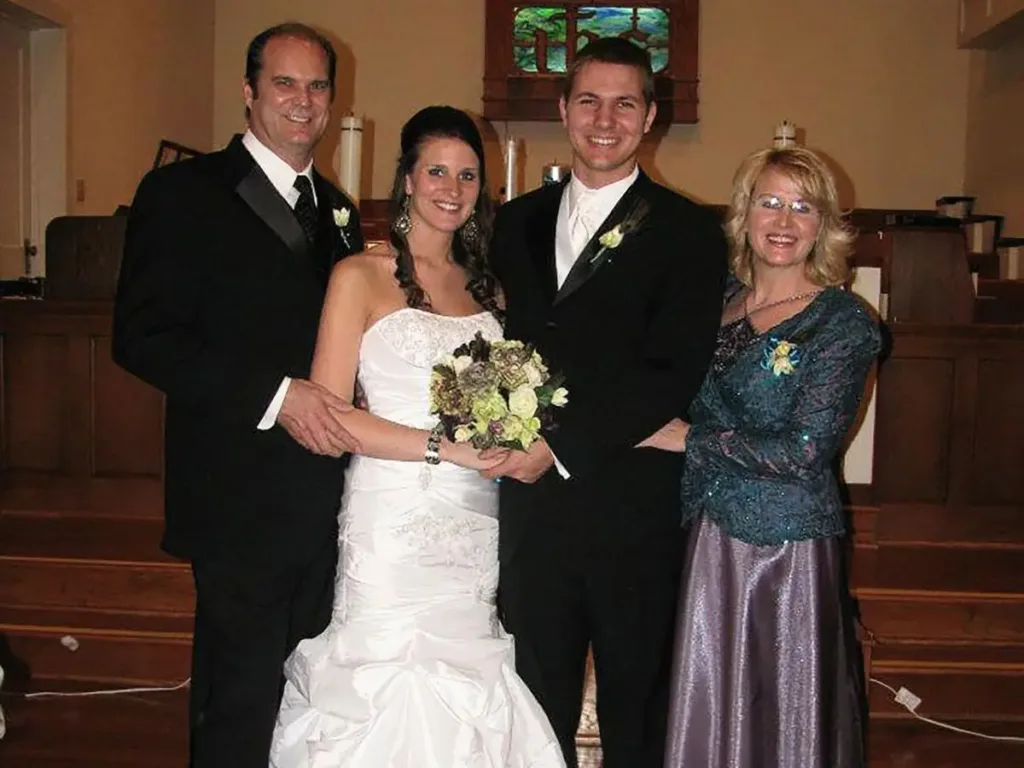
[414, 670]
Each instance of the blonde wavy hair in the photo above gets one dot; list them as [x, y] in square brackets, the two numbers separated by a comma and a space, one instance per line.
[828, 262]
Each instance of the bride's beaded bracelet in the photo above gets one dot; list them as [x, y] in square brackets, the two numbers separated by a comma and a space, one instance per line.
[433, 453]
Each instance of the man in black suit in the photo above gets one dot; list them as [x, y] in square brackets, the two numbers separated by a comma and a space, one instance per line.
[618, 281]
[225, 266]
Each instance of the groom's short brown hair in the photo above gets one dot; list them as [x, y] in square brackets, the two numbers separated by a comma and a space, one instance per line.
[613, 50]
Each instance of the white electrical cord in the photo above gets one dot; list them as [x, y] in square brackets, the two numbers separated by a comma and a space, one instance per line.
[910, 702]
[903, 696]
[104, 692]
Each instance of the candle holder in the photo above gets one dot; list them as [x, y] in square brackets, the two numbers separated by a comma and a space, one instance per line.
[785, 136]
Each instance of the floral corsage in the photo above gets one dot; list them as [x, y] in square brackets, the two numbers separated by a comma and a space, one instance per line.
[780, 356]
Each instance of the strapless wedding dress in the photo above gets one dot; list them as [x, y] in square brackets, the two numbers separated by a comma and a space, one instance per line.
[415, 670]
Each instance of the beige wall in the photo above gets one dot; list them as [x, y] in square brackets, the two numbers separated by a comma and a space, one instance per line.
[878, 85]
[138, 71]
[994, 168]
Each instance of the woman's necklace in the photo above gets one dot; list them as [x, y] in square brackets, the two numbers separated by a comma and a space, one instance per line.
[747, 312]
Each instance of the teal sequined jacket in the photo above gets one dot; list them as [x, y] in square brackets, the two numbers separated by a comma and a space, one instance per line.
[767, 428]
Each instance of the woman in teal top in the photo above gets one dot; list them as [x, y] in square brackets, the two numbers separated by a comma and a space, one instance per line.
[765, 672]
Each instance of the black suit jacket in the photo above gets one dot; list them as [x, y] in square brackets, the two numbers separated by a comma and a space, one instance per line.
[633, 329]
[219, 297]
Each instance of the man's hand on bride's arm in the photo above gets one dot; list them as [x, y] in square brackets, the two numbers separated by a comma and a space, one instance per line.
[310, 414]
[525, 466]
[671, 437]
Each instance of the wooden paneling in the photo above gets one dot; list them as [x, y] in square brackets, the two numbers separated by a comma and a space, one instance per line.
[940, 590]
[942, 616]
[912, 430]
[68, 410]
[952, 694]
[949, 413]
[989, 526]
[998, 458]
[117, 658]
[96, 584]
[929, 278]
[35, 395]
[990, 24]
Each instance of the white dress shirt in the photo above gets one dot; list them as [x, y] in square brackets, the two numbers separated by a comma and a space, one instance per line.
[586, 207]
[592, 207]
[282, 176]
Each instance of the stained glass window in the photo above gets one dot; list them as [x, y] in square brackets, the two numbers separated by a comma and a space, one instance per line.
[541, 34]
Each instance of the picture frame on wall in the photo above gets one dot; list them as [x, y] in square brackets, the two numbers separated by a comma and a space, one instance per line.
[171, 152]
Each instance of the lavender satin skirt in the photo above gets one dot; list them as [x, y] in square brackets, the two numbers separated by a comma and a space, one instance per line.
[764, 674]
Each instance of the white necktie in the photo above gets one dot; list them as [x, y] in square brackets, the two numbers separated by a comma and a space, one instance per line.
[581, 228]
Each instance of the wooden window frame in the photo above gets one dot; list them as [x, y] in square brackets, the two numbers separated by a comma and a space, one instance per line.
[513, 95]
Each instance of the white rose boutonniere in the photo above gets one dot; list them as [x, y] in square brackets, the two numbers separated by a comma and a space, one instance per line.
[613, 238]
[341, 217]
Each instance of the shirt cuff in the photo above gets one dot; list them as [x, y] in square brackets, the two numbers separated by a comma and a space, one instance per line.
[558, 465]
[270, 416]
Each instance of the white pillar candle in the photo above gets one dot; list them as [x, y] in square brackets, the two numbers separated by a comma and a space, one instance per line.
[510, 167]
[350, 155]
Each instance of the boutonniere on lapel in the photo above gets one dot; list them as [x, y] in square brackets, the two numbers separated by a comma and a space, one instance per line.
[613, 238]
[341, 217]
[781, 357]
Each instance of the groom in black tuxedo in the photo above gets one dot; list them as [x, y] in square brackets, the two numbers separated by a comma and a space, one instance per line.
[618, 281]
[225, 266]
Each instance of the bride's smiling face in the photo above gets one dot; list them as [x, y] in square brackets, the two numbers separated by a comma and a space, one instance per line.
[444, 184]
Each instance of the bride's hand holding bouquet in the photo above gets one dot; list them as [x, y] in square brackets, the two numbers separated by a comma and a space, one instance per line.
[494, 395]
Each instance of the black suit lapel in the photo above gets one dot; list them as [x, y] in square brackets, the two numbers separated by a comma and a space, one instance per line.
[259, 194]
[594, 254]
[540, 237]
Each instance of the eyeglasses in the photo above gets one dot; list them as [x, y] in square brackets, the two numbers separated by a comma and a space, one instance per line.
[775, 203]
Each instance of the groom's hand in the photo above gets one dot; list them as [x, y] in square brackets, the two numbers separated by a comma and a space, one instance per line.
[525, 466]
[310, 415]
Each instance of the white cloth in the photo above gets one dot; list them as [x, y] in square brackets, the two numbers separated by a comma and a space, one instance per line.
[270, 415]
[415, 670]
[282, 176]
[581, 213]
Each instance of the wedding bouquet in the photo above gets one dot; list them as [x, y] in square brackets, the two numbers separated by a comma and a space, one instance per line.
[495, 394]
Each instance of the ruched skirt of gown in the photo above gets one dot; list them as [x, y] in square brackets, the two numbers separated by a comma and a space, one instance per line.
[415, 670]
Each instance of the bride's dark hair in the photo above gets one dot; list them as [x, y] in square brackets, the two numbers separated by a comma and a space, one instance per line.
[468, 252]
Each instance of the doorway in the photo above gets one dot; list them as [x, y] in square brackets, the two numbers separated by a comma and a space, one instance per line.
[33, 137]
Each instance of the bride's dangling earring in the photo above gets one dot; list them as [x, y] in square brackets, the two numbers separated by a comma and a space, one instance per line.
[470, 233]
[403, 222]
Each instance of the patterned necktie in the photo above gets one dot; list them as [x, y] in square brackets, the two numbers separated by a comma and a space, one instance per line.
[305, 210]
